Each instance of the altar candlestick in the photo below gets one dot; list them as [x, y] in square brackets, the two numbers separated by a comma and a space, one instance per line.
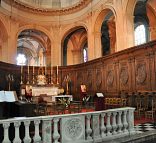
[45, 70]
[33, 69]
[51, 70]
[21, 70]
[28, 68]
[57, 69]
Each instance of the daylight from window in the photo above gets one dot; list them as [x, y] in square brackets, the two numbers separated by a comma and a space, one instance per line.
[21, 59]
[85, 58]
[140, 35]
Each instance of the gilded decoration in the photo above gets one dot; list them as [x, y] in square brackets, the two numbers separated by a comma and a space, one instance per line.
[73, 128]
[124, 76]
[141, 73]
[110, 78]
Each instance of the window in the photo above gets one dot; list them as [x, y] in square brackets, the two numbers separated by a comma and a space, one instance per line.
[140, 34]
[21, 59]
[85, 55]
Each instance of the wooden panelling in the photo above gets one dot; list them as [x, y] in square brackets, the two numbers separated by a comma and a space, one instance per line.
[129, 70]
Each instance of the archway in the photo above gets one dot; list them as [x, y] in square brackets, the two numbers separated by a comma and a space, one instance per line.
[105, 31]
[72, 45]
[35, 46]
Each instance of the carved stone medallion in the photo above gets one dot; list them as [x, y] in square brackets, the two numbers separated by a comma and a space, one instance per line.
[110, 78]
[141, 73]
[73, 128]
[124, 76]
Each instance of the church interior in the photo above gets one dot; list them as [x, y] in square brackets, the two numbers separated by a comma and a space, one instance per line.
[77, 71]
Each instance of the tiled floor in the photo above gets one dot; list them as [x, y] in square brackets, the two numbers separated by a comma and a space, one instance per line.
[149, 126]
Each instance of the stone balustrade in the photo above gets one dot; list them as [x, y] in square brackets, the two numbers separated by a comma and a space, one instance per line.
[82, 127]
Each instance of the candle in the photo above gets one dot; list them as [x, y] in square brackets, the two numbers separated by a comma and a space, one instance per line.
[45, 70]
[33, 69]
[51, 70]
[57, 69]
[28, 68]
[21, 70]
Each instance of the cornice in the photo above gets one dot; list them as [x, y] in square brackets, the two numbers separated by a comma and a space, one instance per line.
[47, 11]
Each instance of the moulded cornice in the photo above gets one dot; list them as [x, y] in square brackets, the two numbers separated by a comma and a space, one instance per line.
[47, 11]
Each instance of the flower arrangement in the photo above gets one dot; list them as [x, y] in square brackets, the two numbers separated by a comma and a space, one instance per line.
[64, 101]
[86, 99]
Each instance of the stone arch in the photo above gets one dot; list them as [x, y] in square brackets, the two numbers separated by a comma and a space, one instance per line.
[69, 30]
[39, 28]
[97, 28]
[3, 39]
[46, 32]
[129, 20]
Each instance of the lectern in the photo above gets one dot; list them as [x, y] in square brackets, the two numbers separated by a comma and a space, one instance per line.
[99, 102]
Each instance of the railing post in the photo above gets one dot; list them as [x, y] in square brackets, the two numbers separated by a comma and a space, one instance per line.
[6, 133]
[119, 124]
[47, 131]
[88, 128]
[96, 127]
[103, 128]
[56, 134]
[37, 137]
[130, 120]
[108, 125]
[17, 138]
[27, 138]
[125, 124]
[114, 126]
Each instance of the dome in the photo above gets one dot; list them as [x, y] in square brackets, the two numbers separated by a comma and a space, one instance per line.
[52, 7]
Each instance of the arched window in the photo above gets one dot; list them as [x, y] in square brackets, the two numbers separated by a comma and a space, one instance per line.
[140, 34]
[85, 55]
[21, 59]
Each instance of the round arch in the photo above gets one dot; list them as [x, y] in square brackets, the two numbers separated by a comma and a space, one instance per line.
[66, 33]
[70, 29]
[101, 15]
[39, 28]
[46, 32]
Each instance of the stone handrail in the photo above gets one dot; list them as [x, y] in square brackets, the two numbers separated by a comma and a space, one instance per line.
[83, 127]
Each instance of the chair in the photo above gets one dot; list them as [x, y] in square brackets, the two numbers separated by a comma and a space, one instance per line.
[150, 113]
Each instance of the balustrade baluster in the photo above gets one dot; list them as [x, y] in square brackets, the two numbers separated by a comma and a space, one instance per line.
[114, 126]
[47, 131]
[37, 137]
[96, 127]
[119, 124]
[125, 124]
[103, 128]
[88, 128]
[6, 133]
[27, 138]
[56, 134]
[17, 137]
[130, 120]
[108, 125]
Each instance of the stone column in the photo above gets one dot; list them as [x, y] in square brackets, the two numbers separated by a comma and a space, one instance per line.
[97, 45]
[152, 33]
